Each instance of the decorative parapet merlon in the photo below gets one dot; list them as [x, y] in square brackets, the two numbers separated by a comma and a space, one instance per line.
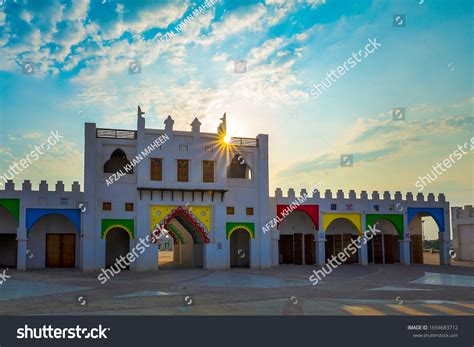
[42, 187]
[397, 197]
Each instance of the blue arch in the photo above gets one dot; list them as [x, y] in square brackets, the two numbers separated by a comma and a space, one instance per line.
[34, 214]
[436, 212]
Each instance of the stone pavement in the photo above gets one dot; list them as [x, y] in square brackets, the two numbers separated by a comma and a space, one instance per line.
[348, 290]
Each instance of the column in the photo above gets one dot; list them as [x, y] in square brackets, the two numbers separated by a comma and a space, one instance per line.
[21, 247]
[363, 253]
[405, 249]
[320, 248]
[444, 245]
[148, 261]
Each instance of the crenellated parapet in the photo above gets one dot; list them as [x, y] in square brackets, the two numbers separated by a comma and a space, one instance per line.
[385, 196]
[363, 202]
[461, 213]
[43, 196]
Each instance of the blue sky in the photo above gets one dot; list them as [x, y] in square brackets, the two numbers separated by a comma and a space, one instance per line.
[81, 52]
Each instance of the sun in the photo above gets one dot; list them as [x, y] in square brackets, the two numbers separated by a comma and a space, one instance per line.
[227, 139]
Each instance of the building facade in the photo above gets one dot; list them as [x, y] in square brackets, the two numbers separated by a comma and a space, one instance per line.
[211, 195]
[463, 232]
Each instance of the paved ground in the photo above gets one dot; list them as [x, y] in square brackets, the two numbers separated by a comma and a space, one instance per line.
[348, 290]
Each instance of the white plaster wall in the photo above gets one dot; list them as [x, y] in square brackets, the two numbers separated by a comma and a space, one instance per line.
[297, 222]
[466, 241]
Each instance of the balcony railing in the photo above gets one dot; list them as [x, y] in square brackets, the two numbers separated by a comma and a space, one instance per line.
[244, 142]
[116, 134]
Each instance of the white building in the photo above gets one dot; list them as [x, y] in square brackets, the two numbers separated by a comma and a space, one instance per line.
[213, 199]
[463, 232]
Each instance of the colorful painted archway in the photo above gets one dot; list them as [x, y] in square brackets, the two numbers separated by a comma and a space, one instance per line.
[35, 214]
[311, 210]
[201, 213]
[231, 227]
[187, 220]
[125, 224]
[395, 219]
[13, 206]
[354, 218]
[436, 212]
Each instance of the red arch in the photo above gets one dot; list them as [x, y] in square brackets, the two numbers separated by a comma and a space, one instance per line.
[311, 210]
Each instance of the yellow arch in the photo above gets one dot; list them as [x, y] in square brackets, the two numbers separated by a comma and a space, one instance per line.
[130, 234]
[240, 227]
[354, 218]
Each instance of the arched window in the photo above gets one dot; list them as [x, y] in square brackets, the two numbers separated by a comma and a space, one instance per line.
[238, 168]
[117, 161]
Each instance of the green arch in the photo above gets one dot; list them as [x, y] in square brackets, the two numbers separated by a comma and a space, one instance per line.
[231, 227]
[395, 219]
[13, 206]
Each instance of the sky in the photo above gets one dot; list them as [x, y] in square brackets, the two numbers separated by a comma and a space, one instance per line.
[64, 63]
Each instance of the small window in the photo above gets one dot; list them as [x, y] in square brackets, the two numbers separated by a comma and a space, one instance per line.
[249, 211]
[156, 169]
[230, 210]
[208, 171]
[183, 170]
[107, 206]
[209, 149]
[183, 148]
[128, 206]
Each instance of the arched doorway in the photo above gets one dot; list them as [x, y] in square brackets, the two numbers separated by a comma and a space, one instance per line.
[239, 248]
[117, 244]
[8, 243]
[52, 242]
[339, 234]
[424, 241]
[426, 225]
[296, 244]
[384, 247]
[189, 237]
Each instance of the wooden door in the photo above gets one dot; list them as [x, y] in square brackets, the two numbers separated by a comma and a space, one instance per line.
[417, 249]
[346, 241]
[285, 244]
[378, 251]
[389, 244]
[309, 249]
[329, 246]
[370, 253]
[68, 250]
[60, 250]
[53, 250]
[338, 243]
[298, 244]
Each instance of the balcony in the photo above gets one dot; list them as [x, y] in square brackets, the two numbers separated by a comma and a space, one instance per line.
[116, 134]
[243, 142]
